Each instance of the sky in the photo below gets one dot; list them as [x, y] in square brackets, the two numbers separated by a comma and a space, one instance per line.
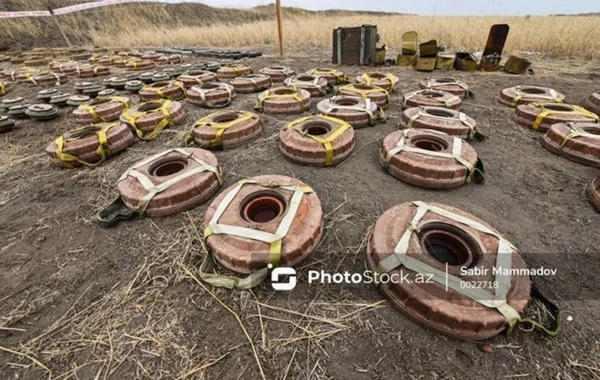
[434, 7]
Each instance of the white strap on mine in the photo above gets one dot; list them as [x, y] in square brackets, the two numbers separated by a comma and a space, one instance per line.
[451, 101]
[577, 131]
[254, 82]
[317, 85]
[552, 94]
[222, 86]
[456, 150]
[480, 295]
[153, 189]
[57, 78]
[462, 117]
[409, 96]
[434, 83]
[254, 234]
[283, 70]
[367, 108]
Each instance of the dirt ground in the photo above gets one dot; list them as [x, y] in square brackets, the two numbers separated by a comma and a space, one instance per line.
[78, 301]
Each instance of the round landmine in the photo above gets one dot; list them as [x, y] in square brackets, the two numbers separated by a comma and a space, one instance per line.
[264, 204]
[387, 81]
[317, 86]
[283, 100]
[150, 118]
[278, 73]
[333, 76]
[431, 98]
[377, 95]
[578, 142]
[445, 120]
[442, 239]
[593, 103]
[231, 71]
[451, 85]
[251, 83]
[172, 90]
[226, 129]
[514, 96]
[211, 95]
[195, 77]
[429, 159]
[77, 100]
[357, 111]
[90, 145]
[317, 141]
[6, 124]
[541, 116]
[41, 111]
[101, 110]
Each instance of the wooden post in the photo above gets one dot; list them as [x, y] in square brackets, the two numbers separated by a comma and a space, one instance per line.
[60, 29]
[279, 26]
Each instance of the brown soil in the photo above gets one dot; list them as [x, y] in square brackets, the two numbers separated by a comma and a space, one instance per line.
[80, 301]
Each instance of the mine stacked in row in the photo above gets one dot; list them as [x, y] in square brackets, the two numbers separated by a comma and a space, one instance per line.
[570, 131]
[274, 220]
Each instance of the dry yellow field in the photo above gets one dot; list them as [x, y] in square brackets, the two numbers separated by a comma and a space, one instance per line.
[199, 25]
[552, 36]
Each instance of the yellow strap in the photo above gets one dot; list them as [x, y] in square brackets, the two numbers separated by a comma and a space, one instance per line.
[159, 90]
[340, 78]
[575, 132]
[326, 142]
[103, 148]
[236, 69]
[217, 141]
[165, 122]
[153, 189]
[2, 89]
[392, 78]
[268, 95]
[365, 93]
[92, 111]
[92, 108]
[577, 110]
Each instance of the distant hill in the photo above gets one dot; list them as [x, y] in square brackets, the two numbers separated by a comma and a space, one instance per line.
[27, 32]
[591, 14]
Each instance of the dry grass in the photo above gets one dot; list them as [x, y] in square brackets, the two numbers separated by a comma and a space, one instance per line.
[135, 328]
[138, 25]
[535, 34]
